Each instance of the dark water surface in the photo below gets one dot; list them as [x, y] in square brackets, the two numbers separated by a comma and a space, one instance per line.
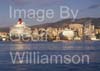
[91, 48]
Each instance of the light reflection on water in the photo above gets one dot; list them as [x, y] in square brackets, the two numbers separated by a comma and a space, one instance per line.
[77, 45]
[71, 48]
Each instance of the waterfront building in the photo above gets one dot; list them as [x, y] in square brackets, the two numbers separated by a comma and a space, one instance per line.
[97, 30]
[78, 28]
[4, 36]
[42, 34]
[35, 34]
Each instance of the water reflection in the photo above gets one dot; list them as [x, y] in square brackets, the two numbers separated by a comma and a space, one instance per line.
[71, 48]
[19, 46]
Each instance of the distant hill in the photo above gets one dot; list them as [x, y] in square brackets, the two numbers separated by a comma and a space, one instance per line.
[62, 23]
[94, 21]
[4, 29]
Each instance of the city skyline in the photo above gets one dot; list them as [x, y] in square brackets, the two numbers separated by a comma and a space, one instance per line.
[87, 8]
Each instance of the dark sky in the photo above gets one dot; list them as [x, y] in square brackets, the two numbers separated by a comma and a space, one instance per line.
[87, 8]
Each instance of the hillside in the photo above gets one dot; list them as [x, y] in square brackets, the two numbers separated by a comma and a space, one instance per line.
[62, 23]
[94, 21]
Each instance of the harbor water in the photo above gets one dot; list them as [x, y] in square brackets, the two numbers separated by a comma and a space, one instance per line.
[90, 48]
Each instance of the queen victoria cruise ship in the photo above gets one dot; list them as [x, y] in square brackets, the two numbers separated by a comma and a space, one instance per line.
[20, 32]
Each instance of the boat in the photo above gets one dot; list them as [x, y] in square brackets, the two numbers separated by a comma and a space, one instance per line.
[67, 34]
[20, 32]
[93, 37]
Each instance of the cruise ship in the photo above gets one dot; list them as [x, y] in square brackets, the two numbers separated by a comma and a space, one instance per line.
[67, 34]
[20, 32]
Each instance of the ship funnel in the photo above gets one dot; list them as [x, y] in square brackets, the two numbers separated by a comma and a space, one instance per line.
[20, 21]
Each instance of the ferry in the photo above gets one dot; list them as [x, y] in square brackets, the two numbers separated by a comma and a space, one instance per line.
[20, 32]
[67, 34]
